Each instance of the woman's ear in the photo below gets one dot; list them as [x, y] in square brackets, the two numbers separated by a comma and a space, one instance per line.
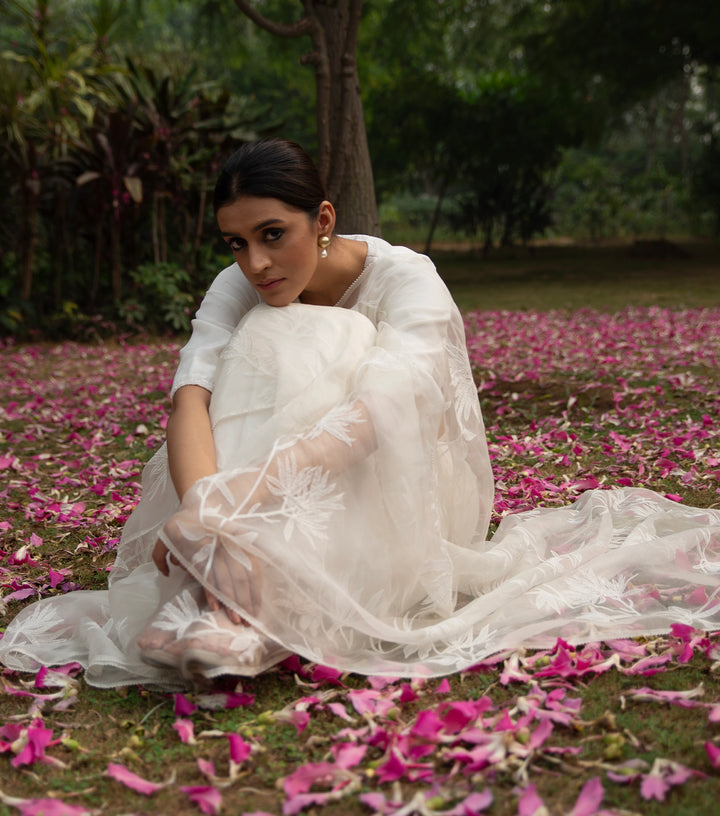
[326, 218]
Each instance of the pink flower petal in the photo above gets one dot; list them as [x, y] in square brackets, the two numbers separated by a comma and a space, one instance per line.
[49, 807]
[293, 806]
[348, 755]
[183, 706]
[239, 749]
[654, 787]
[206, 797]
[529, 802]
[185, 731]
[131, 780]
[224, 700]
[472, 805]
[339, 710]
[304, 777]
[444, 687]
[391, 770]
[324, 674]
[713, 753]
[590, 798]
[37, 739]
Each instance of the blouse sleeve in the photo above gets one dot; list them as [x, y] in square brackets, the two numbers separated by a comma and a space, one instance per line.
[229, 297]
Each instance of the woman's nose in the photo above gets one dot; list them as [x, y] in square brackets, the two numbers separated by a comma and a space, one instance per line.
[258, 259]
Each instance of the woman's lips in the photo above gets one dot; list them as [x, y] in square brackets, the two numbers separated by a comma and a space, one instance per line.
[267, 285]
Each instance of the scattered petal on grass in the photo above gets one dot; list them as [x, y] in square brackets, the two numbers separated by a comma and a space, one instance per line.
[207, 798]
[185, 731]
[685, 699]
[239, 749]
[590, 798]
[31, 745]
[224, 700]
[530, 804]
[131, 780]
[664, 775]
[443, 687]
[183, 706]
[713, 753]
[46, 807]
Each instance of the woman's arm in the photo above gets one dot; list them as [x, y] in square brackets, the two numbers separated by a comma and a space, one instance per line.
[190, 446]
[191, 449]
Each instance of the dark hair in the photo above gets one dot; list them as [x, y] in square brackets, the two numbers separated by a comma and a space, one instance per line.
[271, 168]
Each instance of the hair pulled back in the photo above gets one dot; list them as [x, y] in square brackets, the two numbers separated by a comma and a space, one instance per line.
[271, 168]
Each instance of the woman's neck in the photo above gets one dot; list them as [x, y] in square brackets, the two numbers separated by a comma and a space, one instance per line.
[344, 264]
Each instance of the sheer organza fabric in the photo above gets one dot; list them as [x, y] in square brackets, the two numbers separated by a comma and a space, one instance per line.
[348, 520]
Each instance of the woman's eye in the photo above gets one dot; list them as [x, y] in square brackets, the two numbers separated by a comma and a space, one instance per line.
[273, 234]
[236, 244]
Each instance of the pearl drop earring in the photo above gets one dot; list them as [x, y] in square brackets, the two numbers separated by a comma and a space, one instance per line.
[323, 243]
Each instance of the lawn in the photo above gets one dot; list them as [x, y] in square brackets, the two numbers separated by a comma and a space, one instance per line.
[594, 369]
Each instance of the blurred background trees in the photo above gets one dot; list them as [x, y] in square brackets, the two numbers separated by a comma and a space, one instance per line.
[493, 121]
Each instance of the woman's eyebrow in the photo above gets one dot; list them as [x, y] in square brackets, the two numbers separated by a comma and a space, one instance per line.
[267, 223]
[256, 228]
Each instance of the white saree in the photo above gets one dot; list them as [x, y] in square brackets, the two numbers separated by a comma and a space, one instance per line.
[348, 520]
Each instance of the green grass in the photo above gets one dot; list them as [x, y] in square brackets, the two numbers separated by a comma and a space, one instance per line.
[608, 278]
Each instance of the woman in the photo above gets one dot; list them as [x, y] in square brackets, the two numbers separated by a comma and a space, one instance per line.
[327, 445]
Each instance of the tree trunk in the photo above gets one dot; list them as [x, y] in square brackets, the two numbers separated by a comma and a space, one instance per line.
[192, 266]
[163, 229]
[97, 259]
[30, 203]
[28, 244]
[652, 115]
[682, 127]
[436, 213]
[343, 154]
[155, 238]
[115, 258]
[488, 232]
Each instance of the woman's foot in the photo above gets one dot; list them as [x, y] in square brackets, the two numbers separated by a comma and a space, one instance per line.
[156, 641]
[213, 646]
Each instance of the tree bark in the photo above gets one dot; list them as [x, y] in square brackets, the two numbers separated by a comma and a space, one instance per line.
[436, 212]
[115, 258]
[29, 236]
[652, 115]
[343, 154]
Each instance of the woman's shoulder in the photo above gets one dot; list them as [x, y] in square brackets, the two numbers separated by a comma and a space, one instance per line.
[393, 265]
[399, 278]
[382, 250]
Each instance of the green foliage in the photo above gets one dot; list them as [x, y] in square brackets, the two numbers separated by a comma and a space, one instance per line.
[497, 119]
[596, 197]
[620, 51]
[706, 184]
[109, 162]
[487, 147]
[161, 299]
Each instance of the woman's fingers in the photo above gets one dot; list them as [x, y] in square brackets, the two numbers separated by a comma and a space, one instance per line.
[226, 576]
[215, 605]
[159, 557]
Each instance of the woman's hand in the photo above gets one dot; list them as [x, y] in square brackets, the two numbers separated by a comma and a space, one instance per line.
[159, 557]
[233, 577]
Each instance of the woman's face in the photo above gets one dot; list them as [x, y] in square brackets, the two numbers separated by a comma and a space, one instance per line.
[274, 244]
